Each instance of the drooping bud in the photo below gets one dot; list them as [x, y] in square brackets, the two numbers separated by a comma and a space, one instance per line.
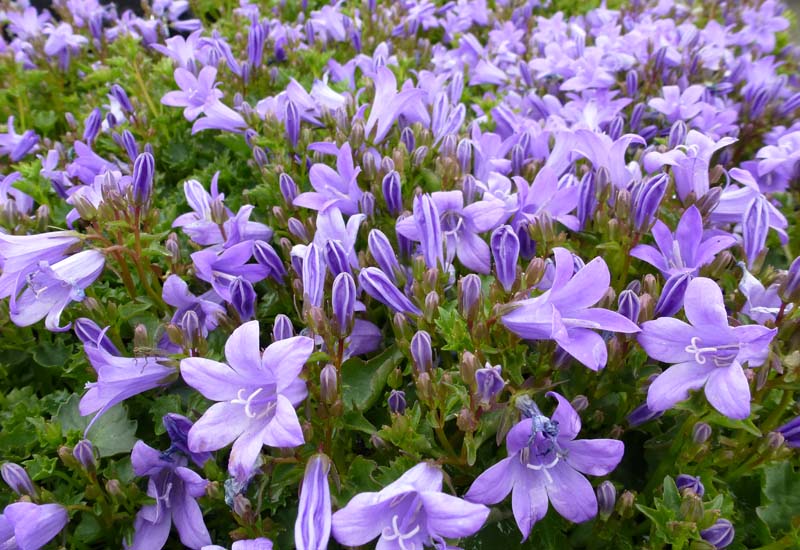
[243, 298]
[397, 402]
[283, 328]
[421, 351]
[17, 479]
[143, 171]
[381, 249]
[378, 285]
[505, 250]
[343, 302]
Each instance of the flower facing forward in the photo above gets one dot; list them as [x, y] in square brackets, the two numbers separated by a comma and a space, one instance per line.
[256, 395]
[706, 353]
[545, 462]
[410, 513]
[562, 313]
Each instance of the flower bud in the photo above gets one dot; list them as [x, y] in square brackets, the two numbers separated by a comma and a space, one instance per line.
[143, 170]
[190, 324]
[292, 123]
[642, 414]
[631, 83]
[469, 295]
[489, 383]
[505, 250]
[383, 253]
[625, 504]
[243, 298]
[691, 508]
[260, 157]
[700, 433]
[392, 193]
[677, 134]
[17, 479]
[789, 289]
[580, 403]
[288, 188]
[336, 258]
[114, 488]
[92, 125]
[297, 229]
[283, 328]
[464, 155]
[421, 351]
[378, 285]
[118, 93]
[173, 247]
[266, 256]
[606, 499]
[84, 454]
[367, 204]
[775, 440]
[690, 483]
[720, 534]
[328, 384]
[755, 226]
[313, 276]
[407, 138]
[343, 302]
[647, 197]
[628, 305]
[397, 402]
[671, 299]
[140, 337]
[431, 305]
[313, 526]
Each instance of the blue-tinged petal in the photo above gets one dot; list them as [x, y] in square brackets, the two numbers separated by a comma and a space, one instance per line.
[146, 461]
[361, 520]
[189, 522]
[728, 391]
[571, 494]
[673, 385]
[586, 346]
[35, 525]
[600, 319]
[649, 254]
[529, 500]
[218, 427]
[216, 381]
[485, 215]
[532, 319]
[284, 429]
[194, 484]
[585, 288]
[244, 453]
[689, 234]
[473, 252]
[569, 423]
[754, 341]
[423, 477]
[450, 516]
[703, 304]
[666, 338]
[494, 484]
[285, 359]
[149, 535]
[595, 457]
[518, 436]
[311, 200]
[564, 268]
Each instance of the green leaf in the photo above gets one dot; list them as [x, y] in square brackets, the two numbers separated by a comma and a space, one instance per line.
[781, 488]
[672, 498]
[51, 354]
[363, 381]
[114, 433]
[354, 420]
[746, 425]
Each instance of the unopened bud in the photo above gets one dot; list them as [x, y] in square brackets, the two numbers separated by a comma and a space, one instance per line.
[397, 402]
[606, 499]
[84, 454]
[17, 479]
[700, 433]
[328, 385]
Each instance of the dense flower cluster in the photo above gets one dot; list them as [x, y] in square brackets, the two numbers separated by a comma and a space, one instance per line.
[322, 259]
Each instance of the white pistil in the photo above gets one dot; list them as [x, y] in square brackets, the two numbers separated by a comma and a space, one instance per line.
[399, 536]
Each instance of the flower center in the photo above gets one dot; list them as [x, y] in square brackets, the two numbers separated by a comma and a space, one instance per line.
[255, 401]
[677, 259]
[396, 534]
[721, 356]
[404, 524]
[451, 222]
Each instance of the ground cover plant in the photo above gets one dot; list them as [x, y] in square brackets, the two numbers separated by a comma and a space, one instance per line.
[399, 275]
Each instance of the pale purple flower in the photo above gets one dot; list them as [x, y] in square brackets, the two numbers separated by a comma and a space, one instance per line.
[184, 51]
[791, 432]
[677, 104]
[256, 394]
[207, 306]
[389, 104]
[411, 512]
[313, 526]
[28, 24]
[20, 255]
[762, 304]
[29, 526]
[251, 544]
[563, 312]
[119, 378]
[196, 92]
[51, 287]
[546, 463]
[337, 188]
[546, 196]
[222, 267]
[175, 489]
[686, 250]
[15, 145]
[708, 353]
[219, 116]
[460, 227]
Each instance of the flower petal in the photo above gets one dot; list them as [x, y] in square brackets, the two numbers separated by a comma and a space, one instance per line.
[218, 427]
[284, 429]
[595, 457]
[704, 305]
[571, 493]
[673, 384]
[189, 522]
[451, 516]
[285, 359]
[666, 338]
[494, 484]
[216, 381]
[728, 391]
[569, 423]
[243, 352]
[586, 346]
[529, 501]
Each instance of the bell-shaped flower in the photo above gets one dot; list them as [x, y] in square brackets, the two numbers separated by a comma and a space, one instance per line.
[50, 288]
[222, 267]
[599, 149]
[29, 526]
[255, 393]
[546, 463]
[175, 489]
[708, 353]
[20, 255]
[686, 250]
[563, 313]
[411, 512]
[337, 188]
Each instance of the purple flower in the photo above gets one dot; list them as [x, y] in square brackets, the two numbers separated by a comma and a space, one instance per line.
[545, 196]
[378, 285]
[460, 227]
[222, 267]
[411, 512]
[505, 249]
[219, 116]
[708, 353]
[175, 489]
[256, 394]
[313, 526]
[545, 462]
[17, 145]
[183, 50]
[601, 151]
[50, 288]
[178, 428]
[388, 104]
[197, 92]
[20, 255]
[720, 535]
[207, 306]
[755, 227]
[252, 544]
[119, 378]
[685, 251]
[563, 312]
[337, 188]
[791, 432]
[677, 104]
[17, 479]
[29, 526]
[762, 304]
[489, 382]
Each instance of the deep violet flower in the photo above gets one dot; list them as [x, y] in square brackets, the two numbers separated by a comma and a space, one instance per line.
[546, 463]
[706, 353]
[337, 188]
[685, 251]
[175, 489]
[256, 394]
[460, 227]
[563, 312]
[312, 529]
[29, 526]
[411, 512]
